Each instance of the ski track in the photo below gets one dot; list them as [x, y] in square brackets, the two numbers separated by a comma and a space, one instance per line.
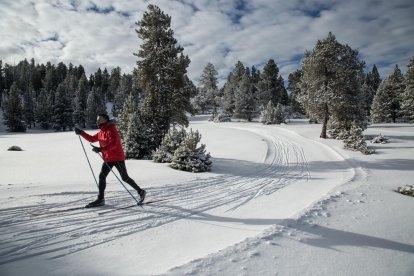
[60, 234]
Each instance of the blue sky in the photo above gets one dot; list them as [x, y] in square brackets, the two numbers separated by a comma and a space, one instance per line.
[102, 33]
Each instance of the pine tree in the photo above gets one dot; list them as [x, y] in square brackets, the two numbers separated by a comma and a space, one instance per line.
[190, 158]
[268, 88]
[381, 108]
[228, 100]
[114, 82]
[135, 139]
[161, 71]
[294, 88]
[80, 102]
[170, 143]
[268, 116]
[43, 109]
[62, 110]
[205, 100]
[331, 82]
[94, 106]
[397, 90]
[1, 83]
[407, 104]
[123, 91]
[244, 106]
[372, 82]
[13, 113]
[29, 106]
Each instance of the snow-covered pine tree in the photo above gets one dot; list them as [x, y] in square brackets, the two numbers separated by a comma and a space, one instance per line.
[268, 88]
[244, 105]
[381, 109]
[124, 89]
[294, 88]
[13, 112]
[135, 138]
[407, 104]
[331, 82]
[128, 110]
[372, 82]
[190, 158]
[268, 114]
[207, 90]
[284, 97]
[161, 71]
[227, 103]
[397, 90]
[356, 141]
[114, 82]
[94, 106]
[170, 143]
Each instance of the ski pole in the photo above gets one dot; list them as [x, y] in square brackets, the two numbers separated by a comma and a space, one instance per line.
[118, 179]
[88, 161]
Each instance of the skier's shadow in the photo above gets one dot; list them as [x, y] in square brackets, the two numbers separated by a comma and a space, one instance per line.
[321, 236]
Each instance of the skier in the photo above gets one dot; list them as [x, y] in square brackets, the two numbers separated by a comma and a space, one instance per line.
[113, 155]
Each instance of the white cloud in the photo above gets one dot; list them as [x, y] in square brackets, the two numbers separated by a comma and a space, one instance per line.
[102, 33]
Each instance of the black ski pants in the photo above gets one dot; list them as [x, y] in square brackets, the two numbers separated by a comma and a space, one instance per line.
[106, 169]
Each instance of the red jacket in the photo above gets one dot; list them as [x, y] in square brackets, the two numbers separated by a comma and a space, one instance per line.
[109, 141]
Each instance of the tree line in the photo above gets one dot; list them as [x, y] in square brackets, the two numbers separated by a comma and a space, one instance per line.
[330, 87]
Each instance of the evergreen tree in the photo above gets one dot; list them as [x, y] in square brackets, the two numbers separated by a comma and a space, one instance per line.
[294, 88]
[43, 109]
[135, 139]
[1, 83]
[397, 90]
[207, 91]
[381, 108]
[244, 102]
[284, 97]
[269, 88]
[114, 82]
[62, 110]
[170, 143]
[123, 91]
[331, 82]
[188, 157]
[268, 116]
[407, 104]
[29, 106]
[13, 113]
[228, 102]
[161, 70]
[80, 102]
[105, 85]
[94, 106]
[373, 79]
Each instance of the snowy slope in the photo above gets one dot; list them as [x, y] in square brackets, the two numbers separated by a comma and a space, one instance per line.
[278, 200]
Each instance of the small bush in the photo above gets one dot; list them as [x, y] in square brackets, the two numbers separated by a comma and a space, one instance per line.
[15, 148]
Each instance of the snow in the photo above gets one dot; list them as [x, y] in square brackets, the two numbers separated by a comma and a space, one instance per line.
[278, 201]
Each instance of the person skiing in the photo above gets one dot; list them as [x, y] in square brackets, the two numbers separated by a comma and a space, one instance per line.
[113, 155]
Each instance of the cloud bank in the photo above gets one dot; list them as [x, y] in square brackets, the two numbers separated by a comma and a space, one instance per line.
[102, 33]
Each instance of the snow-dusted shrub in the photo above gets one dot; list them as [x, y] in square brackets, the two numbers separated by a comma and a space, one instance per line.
[406, 190]
[380, 139]
[190, 158]
[356, 142]
[169, 145]
[220, 118]
[15, 148]
[271, 115]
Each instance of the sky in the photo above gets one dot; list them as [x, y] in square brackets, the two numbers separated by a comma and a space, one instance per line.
[101, 33]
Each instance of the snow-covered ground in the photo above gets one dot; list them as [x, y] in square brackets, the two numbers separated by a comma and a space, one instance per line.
[279, 201]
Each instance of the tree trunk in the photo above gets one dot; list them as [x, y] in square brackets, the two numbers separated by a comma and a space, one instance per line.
[325, 121]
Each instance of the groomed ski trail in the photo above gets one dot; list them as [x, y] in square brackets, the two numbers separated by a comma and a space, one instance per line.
[62, 234]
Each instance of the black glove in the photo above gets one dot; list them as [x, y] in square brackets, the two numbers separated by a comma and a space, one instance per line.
[78, 131]
[96, 149]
